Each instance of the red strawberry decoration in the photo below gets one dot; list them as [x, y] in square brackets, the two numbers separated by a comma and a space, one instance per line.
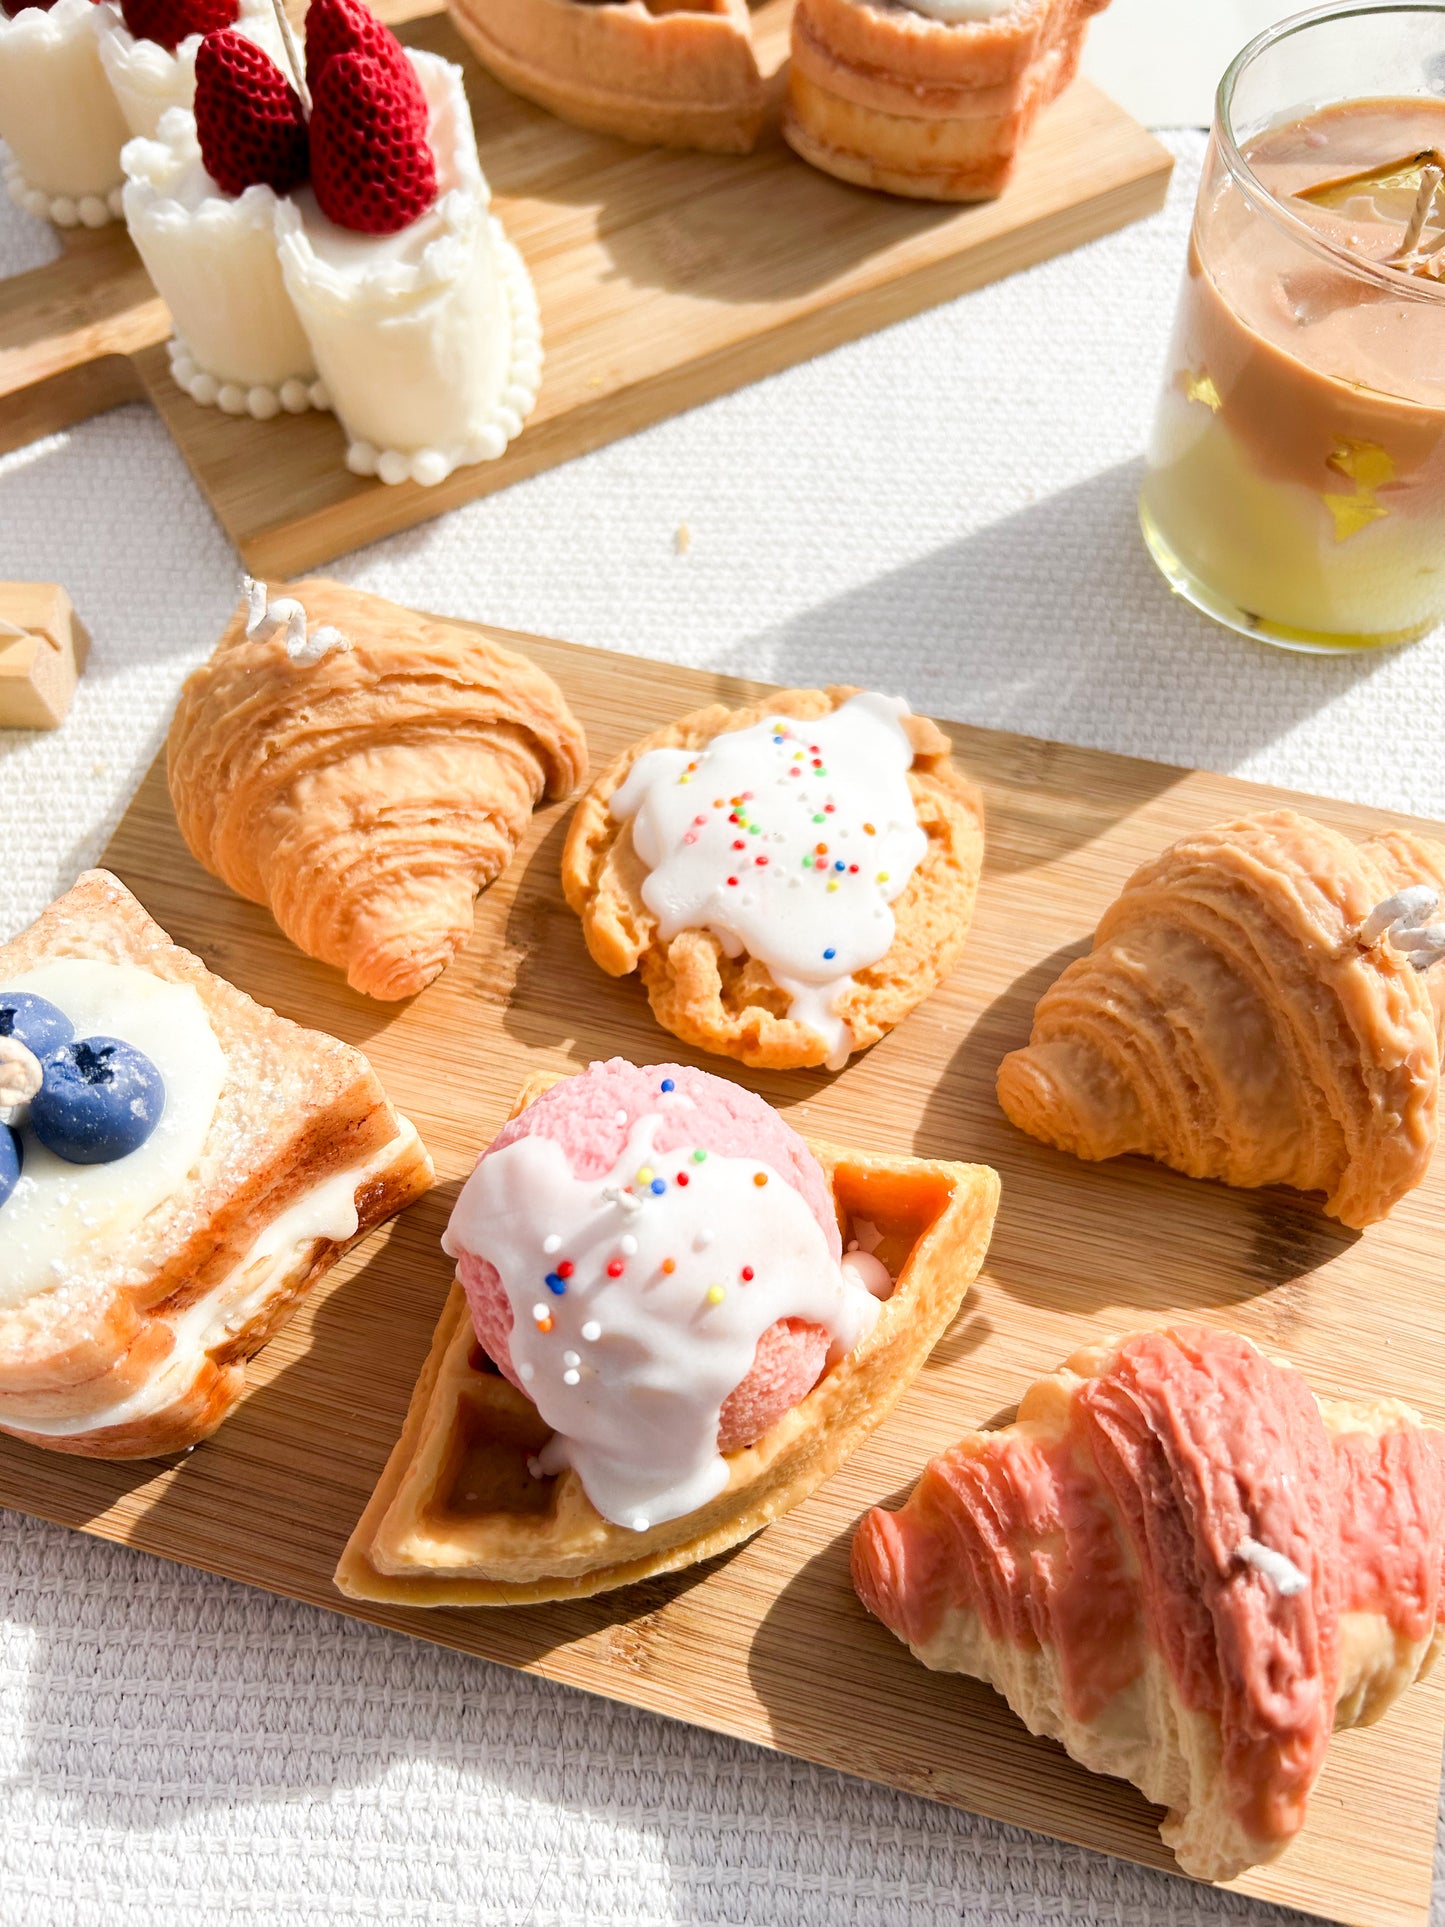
[371, 166]
[347, 27]
[169, 22]
[248, 117]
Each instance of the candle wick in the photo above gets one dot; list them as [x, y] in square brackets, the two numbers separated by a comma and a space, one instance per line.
[1430, 179]
[293, 59]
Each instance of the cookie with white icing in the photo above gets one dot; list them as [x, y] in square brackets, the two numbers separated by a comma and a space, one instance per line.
[789, 880]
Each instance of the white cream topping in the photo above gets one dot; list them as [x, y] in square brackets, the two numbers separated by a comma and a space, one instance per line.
[326, 1212]
[656, 1323]
[952, 12]
[58, 1211]
[788, 841]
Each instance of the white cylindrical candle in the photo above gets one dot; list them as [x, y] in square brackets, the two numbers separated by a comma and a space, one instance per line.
[148, 79]
[59, 116]
[213, 259]
[428, 340]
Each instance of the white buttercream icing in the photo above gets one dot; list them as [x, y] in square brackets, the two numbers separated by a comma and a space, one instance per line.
[147, 78]
[661, 1309]
[428, 340]
[327, 1212]
[213, 259]
[59, 1211]
[787, 840]
[59, 117]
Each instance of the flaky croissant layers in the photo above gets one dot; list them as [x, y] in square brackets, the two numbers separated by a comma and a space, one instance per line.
[1239, 1018]
[365, 775]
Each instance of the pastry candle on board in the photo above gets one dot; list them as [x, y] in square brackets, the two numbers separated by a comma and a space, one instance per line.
[1296, 484]
[788, 840]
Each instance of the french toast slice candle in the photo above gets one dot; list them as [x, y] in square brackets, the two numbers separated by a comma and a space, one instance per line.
[1296, 476]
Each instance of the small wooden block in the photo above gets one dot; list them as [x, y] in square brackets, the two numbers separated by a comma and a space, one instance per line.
[43, 647]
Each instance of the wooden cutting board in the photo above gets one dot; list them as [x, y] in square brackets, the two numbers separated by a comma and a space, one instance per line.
[769, 1643]
[664, 278]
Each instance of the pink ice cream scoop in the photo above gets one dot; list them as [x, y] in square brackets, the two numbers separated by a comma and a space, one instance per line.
[591, 1117]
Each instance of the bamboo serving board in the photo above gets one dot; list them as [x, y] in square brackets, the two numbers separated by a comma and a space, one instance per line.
[769, 1642]
[664, 278]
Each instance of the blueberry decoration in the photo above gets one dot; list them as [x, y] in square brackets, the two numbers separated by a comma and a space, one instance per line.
[100, 1101]
[11, 1159]
[40, 1027]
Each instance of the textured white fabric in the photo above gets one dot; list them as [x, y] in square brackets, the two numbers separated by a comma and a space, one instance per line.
[947, 508]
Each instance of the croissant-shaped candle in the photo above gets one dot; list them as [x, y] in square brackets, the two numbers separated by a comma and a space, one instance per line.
[1183, 1566]
[364, 772]
[1256, 1008]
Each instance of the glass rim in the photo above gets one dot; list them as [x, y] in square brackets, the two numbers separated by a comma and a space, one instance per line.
[1397, 280]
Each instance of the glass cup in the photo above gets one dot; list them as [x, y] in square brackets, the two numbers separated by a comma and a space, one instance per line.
[1295, 484]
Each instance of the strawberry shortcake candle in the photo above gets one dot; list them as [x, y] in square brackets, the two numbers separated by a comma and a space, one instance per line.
[148, 49]
[58, 115]
[200, 202]
[338, 249]
[420, 312]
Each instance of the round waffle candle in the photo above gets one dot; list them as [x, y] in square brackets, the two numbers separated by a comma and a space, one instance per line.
[652, 1257]
[789, 880]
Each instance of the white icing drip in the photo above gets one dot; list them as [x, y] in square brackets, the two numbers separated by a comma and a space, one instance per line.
[58, 1210]
[1282, 1573]
[326, 1212]
[812, 924]
[956, 12]
[659, 1352]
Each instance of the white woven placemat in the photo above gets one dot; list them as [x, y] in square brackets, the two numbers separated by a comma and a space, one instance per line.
[946, 508]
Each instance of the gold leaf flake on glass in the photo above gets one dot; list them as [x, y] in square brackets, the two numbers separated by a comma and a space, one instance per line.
[1369, 467]
[1201, 387]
